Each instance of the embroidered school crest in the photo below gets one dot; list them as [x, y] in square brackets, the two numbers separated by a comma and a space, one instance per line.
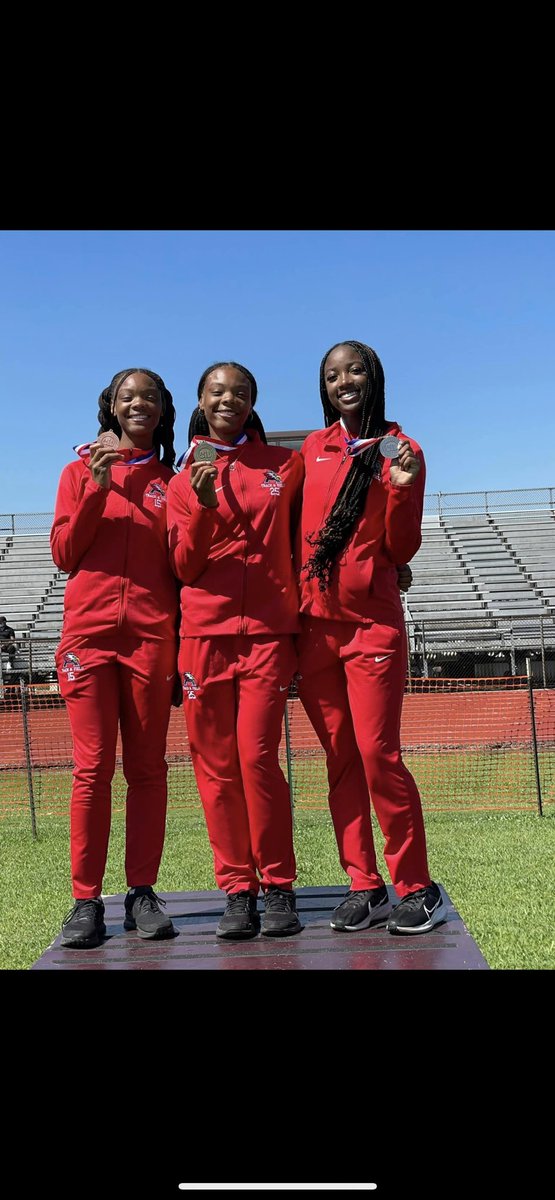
[190, 686]
[70, 665]
[156, 493]
[273, 481]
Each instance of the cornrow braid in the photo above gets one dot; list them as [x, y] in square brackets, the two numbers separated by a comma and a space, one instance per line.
[337, 530]
[164, 432]
[198, 423]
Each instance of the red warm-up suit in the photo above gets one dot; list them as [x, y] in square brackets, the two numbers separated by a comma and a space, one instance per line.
[117, 658]
[239, 607]
[353, 660]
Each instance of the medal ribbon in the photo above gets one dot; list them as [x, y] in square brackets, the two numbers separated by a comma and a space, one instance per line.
[144, 456]
[220, 446]
[356, 445]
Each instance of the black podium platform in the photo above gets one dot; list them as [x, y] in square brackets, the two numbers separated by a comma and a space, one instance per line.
[195, 915]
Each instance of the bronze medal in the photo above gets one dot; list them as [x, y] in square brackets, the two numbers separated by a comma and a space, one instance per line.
[108, 439]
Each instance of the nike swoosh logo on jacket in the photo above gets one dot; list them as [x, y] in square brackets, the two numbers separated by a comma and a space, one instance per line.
[364, 587]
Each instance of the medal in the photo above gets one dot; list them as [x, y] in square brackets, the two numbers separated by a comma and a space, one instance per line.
[390, 446]
[108, 439]
[205, 452]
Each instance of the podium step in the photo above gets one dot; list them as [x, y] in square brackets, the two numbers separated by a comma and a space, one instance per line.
[448, 947]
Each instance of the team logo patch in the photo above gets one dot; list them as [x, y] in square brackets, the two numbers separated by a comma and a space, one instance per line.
[71, 665]
[190, 686]
[273, 481]
[156, 493]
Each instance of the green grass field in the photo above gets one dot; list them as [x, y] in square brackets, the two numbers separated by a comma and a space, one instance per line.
[498, 868]
[473, 780]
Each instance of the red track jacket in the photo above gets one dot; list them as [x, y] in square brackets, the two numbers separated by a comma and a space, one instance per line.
[364, 582]
[113, 544]
[235, 560]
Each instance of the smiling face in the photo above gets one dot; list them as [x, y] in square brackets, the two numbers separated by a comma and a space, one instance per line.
[346, 382]
[137, 405]
[226, 403]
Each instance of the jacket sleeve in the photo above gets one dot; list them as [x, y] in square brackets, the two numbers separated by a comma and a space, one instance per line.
[76, 518]
[191, 528]
[403, 515]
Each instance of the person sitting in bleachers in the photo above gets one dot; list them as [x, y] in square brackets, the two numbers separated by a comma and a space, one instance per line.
[8, 643]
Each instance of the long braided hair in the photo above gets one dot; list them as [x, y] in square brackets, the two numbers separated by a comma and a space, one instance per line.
[198, 423]
[163, 434]
[337, 530]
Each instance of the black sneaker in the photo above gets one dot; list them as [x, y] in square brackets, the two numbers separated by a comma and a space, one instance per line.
[84, 926]
[360, 909]
[418, 912]
[241, 918]
[143, 913]
[280, 913]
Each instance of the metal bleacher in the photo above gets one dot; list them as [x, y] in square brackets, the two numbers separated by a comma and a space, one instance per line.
[475, 574]
[31, 590]
[481, 569]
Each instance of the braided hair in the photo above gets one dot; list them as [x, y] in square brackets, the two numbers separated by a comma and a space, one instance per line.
[337, 530]
[198, 423]
[163, 434]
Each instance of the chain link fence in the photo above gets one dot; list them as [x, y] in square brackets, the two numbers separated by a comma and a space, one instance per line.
[515, 500]
[472, 744]
[435, 504]
[478, 726]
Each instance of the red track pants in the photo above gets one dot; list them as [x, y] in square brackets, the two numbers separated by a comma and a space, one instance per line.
[128, 681]
[352, 686]
[234, 694]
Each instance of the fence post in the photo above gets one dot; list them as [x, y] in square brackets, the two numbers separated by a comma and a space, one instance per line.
[28, 759]
[409, 666]
[534, 737]
[512, 651]
[542, 643]
[425, 669]
[289, 760]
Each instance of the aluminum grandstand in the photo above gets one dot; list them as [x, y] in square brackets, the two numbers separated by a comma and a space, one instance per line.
[482, 600]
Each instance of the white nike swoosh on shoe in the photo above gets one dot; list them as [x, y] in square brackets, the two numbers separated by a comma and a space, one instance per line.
[380, 657]
[318, 459]
[430, 911]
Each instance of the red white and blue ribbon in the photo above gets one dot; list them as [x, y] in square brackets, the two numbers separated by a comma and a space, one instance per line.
[356, 445]
[144, 456]
[222, 447]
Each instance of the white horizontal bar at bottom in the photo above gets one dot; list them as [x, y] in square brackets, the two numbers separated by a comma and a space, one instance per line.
[278, 1187]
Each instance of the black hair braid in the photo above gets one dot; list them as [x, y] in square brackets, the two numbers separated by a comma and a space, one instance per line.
[339, 526]
[198, 425]
[164, 432]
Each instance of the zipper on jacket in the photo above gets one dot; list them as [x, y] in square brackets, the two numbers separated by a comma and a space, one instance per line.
[245, 555]
[127, 524]
[331, 486]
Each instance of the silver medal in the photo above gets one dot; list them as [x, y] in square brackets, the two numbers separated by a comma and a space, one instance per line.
[390, 446]
[205, 452]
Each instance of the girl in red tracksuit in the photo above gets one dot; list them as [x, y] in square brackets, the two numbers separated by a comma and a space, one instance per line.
[231, 524]
[361, 515]
[117, 656]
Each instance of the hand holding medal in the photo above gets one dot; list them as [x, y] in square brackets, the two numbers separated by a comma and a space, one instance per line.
[203, 474]
[104, 452]
[404, 466]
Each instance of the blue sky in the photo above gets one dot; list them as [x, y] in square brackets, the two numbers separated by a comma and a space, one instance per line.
[463, 321]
